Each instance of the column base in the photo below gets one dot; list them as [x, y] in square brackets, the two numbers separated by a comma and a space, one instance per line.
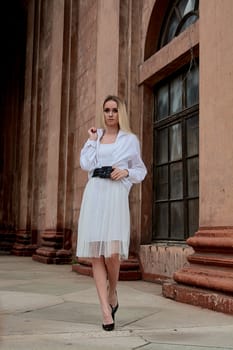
[129, 269]
[52, 250]
[7, 239]
[21, 250]
[208, 280]
[50, 256]
[25, 243]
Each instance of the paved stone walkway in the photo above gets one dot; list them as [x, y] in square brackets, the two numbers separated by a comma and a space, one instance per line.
[45, 307]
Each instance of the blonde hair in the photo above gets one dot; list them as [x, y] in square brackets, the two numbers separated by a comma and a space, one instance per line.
[122, 113]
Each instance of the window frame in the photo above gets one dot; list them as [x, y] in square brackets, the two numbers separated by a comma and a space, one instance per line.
[178, 117]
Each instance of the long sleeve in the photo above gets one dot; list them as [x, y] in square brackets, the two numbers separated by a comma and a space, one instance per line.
[137, 170]
[88, 158]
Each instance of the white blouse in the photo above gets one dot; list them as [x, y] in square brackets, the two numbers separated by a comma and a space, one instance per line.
[125, 155]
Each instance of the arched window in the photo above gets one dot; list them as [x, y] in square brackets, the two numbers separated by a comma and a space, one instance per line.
[176, 139]
[181, 15]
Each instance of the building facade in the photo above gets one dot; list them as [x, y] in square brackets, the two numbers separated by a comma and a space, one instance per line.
[171, 62]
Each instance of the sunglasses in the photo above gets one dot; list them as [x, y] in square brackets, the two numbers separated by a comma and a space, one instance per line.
[108, 110]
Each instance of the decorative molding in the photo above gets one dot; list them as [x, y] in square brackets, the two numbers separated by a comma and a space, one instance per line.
[210, 272]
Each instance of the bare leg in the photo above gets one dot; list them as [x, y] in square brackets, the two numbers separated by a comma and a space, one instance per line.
[113, 268]
[100, 277]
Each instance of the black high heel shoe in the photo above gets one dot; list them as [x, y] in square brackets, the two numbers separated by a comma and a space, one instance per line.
[114, 310]
[108, 327]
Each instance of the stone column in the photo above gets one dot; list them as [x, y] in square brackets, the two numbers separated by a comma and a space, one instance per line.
[211, 265]
[55, 235]
[107, 48]
[25, 244]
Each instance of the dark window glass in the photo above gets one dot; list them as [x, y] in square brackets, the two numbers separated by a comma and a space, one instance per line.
[161, 220]
[176, 163]
[173, 24]
[186, 6]
[162, 146]
[193, 182]
[192, 127]
[176, 95]
[176, 181]
[162, 182]
[193, 210]
[162, 102]
[175, 142]
[188, 21]
[177, 220]
[192, 86]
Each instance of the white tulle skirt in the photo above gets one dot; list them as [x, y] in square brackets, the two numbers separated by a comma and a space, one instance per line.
[104, 220]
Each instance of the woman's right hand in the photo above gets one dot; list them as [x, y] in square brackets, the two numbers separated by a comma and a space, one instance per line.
[92, 132]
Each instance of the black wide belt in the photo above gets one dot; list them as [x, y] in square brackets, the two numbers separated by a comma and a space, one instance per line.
[104, 172]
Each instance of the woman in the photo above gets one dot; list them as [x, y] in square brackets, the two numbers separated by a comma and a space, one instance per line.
[112, 158]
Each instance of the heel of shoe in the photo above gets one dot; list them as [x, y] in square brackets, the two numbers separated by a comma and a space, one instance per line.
[108, 327]
[114, 310]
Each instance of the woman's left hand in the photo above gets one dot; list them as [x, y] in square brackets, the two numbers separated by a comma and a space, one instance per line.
[118, 174]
